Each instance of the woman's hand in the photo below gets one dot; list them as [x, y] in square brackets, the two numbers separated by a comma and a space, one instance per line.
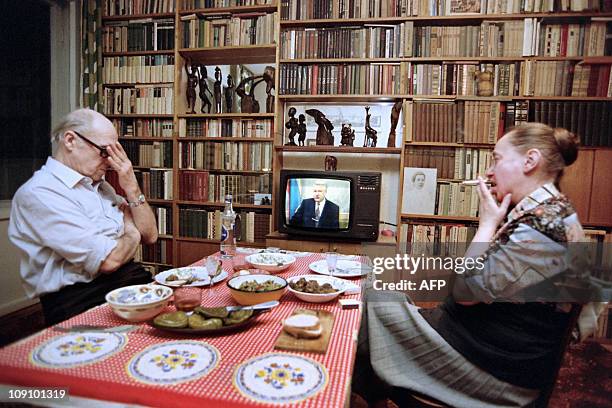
[490, 213]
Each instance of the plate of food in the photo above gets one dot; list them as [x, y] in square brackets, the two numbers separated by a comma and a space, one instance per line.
[316, 288]
[206, 320]
[188, 276]
[345, 268]
[271, 262]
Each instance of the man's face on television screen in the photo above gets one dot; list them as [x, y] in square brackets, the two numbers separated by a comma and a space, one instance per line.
[318, 192]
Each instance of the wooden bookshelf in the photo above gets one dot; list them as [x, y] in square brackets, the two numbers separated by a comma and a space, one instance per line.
[260, 8]
[128, 17]
[593, 160]
[339, 149]
[231, 55]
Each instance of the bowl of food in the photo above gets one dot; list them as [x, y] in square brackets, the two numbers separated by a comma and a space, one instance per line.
[271, 262]
[138, 303]
[253, 289]
[316, 288]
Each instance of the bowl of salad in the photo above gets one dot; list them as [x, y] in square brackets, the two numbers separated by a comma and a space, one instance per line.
[271, 261]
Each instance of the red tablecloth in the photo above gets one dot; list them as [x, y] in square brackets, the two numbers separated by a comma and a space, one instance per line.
[109, 379]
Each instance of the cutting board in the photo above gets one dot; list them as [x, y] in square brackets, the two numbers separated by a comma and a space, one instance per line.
[287, 342]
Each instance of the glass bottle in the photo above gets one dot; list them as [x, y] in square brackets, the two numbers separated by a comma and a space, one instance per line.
[228, 238]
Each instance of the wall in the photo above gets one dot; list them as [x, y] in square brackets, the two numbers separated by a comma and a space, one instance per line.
[65, 96]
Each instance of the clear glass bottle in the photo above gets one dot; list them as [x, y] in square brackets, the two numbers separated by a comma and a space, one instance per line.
[228, 238]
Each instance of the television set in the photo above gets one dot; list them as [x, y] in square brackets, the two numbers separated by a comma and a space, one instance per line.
[337, 205]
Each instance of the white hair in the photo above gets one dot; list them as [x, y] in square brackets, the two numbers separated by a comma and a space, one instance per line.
[80, 120]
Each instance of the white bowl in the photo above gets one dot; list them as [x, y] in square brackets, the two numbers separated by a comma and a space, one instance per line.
[138, 303]
[271, 262]
[318, 297]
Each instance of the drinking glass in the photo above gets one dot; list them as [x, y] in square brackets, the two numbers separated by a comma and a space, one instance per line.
[187, 298]
[332, 259]
[211, 269]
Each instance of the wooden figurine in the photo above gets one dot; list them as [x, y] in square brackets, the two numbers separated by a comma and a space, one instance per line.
[395, 114]
[331, 163]
[292, 125]
[324, 135]
[301, 129]
[192, 82]
[217, 90]
[268, 77]
[347, 135]
[370, 139]
[248, 103]
[203, 80]
[229, 94]
[484, 83]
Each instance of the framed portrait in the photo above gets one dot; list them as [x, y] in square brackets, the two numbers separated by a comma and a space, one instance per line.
[262, 199]
[419, 196]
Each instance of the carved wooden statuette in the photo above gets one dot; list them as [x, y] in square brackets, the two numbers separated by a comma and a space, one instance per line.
[203, 79]
[268, 77]
[324, 135]
[248, 103]
[331, 163]
[192, 82]
[301, 129]
[395, 114]
[292, 125]
[229, 94]
[370, 139]
[217, 90]
[347, 135]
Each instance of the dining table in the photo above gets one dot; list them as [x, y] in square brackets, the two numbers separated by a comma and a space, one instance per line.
[146, 366]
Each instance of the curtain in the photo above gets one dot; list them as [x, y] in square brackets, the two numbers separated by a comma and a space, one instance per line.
[92, 54]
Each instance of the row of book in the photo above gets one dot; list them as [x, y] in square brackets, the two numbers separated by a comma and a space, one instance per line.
[455, 199]
[197, 185]
[240, 29]
[328, 79]
[148, 154]
[197, 4]
[138, 127]
[389, 41]
[451, 163]
[591, 120]
[250, 226]
[235, 127]
[130, 7]
[141, 69]
[226, 156]
[515, 38]
[138, 35]
[159, 252]
[440, 239]
[448, 122]
[163, 217]
[154, 183]
[342, 9]
[140, 99]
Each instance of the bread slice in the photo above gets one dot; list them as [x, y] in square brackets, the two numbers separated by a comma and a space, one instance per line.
[303, 326]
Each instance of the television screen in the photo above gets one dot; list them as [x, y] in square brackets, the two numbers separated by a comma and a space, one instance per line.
[318, 203]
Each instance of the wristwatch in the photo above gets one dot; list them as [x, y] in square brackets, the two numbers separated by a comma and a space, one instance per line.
[139, 201]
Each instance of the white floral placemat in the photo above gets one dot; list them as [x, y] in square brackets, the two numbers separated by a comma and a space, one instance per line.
[173, 362]
[75, 349]
[280, 378]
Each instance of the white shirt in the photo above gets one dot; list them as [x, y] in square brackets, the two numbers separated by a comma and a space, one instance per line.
[64, 227]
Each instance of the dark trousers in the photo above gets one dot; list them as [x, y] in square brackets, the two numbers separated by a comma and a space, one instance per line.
[79, 297]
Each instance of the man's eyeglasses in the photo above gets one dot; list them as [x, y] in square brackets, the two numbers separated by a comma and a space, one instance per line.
[102, 149]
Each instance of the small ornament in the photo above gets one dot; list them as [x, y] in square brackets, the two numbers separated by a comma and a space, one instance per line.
[331, 163]
[292, 125]
[347, 135]
[370, 140]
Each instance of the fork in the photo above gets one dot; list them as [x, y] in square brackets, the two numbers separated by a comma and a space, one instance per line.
[96, 328]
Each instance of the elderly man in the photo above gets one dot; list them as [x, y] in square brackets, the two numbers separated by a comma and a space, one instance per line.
[76, 237]
[317, 212]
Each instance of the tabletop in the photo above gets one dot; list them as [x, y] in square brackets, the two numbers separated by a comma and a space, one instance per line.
[154, 368]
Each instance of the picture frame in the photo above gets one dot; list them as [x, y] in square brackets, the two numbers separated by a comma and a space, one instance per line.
[463, 7]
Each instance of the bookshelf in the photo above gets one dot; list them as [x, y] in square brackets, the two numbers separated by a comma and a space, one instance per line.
[548, 58]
